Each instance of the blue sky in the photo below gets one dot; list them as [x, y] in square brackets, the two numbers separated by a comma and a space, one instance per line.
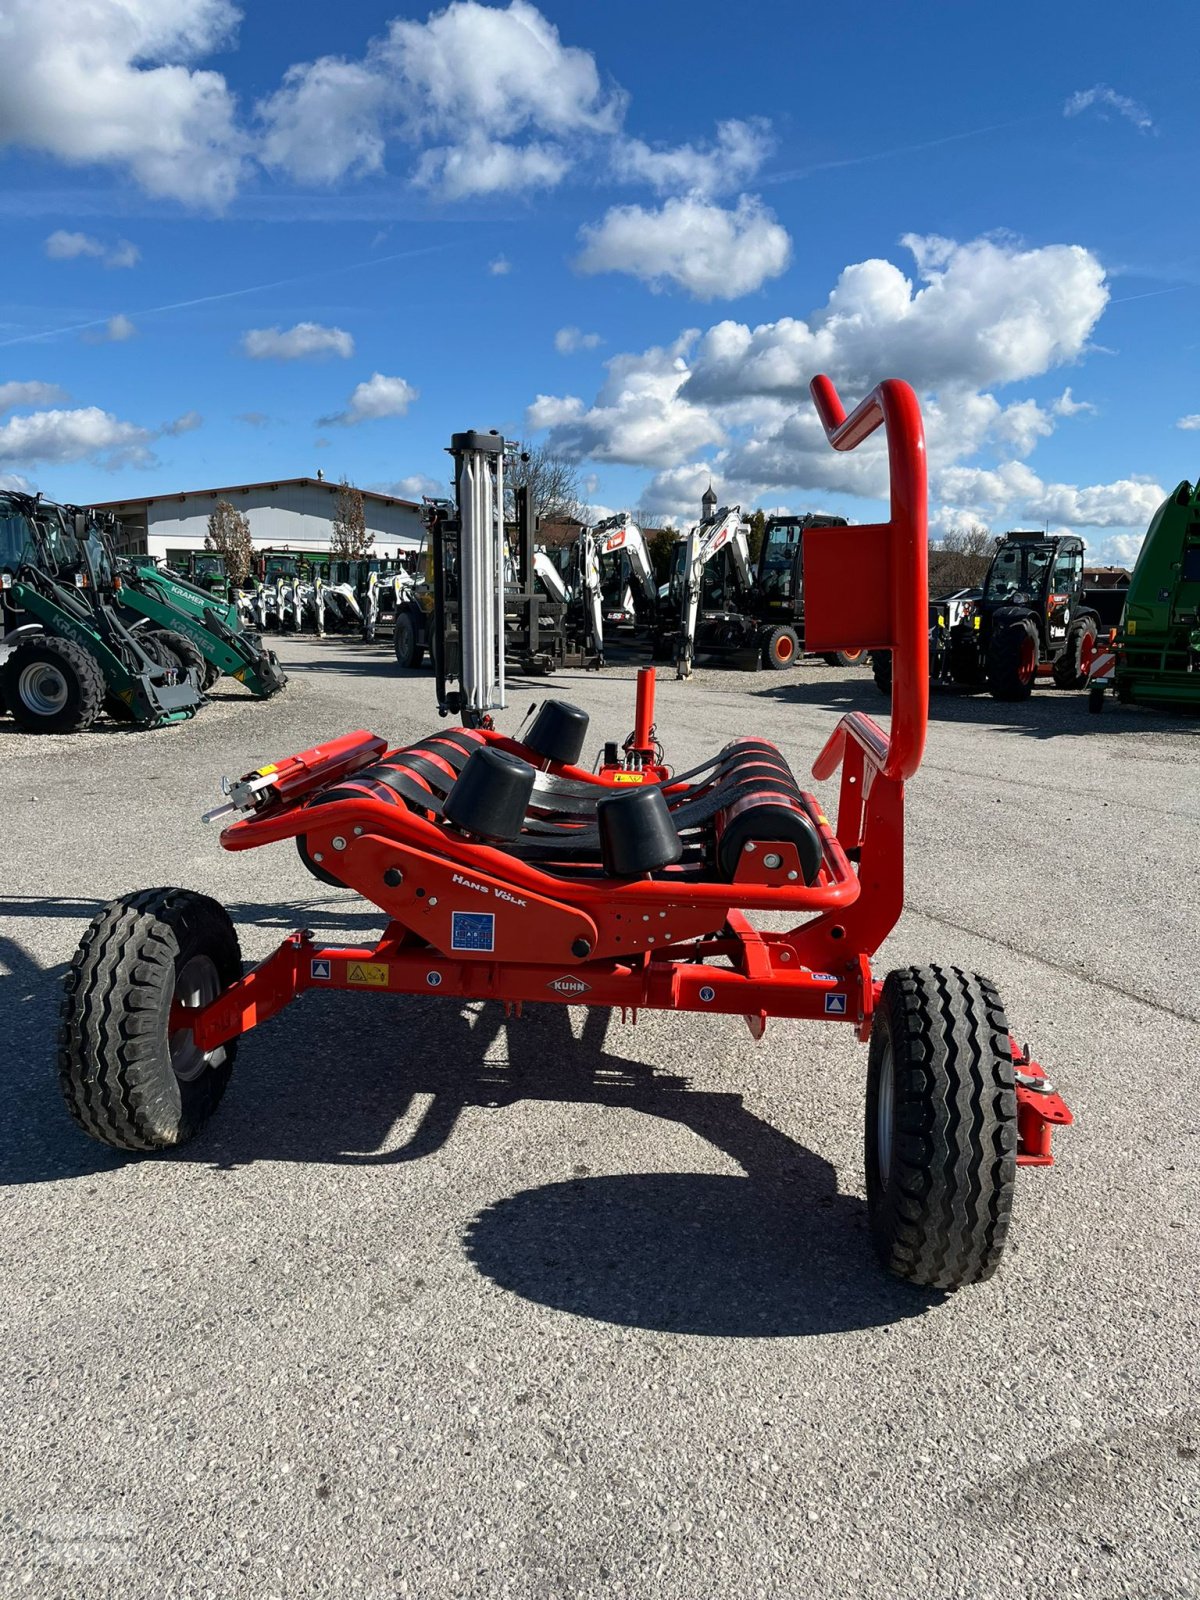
[244, 250]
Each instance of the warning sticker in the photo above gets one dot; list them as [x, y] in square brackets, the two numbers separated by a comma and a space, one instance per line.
[835, 1005]
[472, 930]
[320, 969]
[372, 973]
[629, 777]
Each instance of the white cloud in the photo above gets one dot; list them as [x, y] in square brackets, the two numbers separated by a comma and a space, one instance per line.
[295, 344]
[86, 434]
[489, 166]
[733, 401]
[500, 266]
[551, 411]
[1067, 406]
[187, 423]
[1191, 423]
[492, 93]
[325, 122]
[377, 397]
[14, 394]
[1021, 425]
[64, 246]
[415, 487]
[739, 151]
[115, 331]
[1106, 99]
[111, 83]
[568, 340]
[16, 483]
[638, 416]
[988, 312]
[712, 252]
[1014, 487]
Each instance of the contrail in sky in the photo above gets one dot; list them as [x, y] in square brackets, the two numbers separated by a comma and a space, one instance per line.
[900, 150]
[228, 294]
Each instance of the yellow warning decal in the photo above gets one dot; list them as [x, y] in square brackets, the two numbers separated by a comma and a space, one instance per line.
[265, 772]
[372, 973]
[629, 777]
[822, 819]
[1131, 627]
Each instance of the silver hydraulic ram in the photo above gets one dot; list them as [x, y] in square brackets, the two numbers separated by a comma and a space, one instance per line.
[479, 490]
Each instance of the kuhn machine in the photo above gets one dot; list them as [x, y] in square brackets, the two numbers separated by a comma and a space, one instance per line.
[509, 872]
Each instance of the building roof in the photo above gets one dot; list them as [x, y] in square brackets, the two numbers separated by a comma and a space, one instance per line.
[245, 488]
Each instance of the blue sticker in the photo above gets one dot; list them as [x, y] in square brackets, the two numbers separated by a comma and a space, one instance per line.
[473, 930]
[320, 969]
[835, 1005]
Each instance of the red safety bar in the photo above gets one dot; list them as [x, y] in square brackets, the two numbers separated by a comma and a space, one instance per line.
[867, 587]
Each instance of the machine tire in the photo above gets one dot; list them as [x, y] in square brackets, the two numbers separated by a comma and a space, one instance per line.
[404, 641]
[1068, 669]
[881, 670]
[1012, 658]
[844, 658]
[126, 1079]
[178, 646]
[52, 685]
[782, 649]
[212, 674]
[941, 1127]
[1096, 699]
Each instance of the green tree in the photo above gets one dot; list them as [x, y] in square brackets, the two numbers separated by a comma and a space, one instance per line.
[758, 532]
[229, 534]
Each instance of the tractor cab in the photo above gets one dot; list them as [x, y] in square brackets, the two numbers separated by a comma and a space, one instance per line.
[207, 570]
[1043, 576]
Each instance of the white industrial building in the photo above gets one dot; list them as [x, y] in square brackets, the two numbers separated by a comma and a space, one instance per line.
[290, 514]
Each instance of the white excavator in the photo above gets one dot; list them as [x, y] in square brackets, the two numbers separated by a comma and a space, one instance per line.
[724, 530]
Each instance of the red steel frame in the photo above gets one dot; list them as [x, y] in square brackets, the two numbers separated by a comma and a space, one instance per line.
[668, 942]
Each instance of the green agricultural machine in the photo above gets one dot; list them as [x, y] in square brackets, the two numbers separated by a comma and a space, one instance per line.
[205, 630]
[1158, 643]
[66, 653]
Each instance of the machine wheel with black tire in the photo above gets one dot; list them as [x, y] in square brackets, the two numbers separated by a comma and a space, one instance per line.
[781, 649]
[1012, 658]
[52, 685]
[844, 658]
[881, 670]
[130, 1078]
[182, 652]
[409, 652]
[1068, 669]
[941, 1127]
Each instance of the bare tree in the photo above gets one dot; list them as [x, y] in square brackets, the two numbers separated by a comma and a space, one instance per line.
[552, 481]
[229, 534]
[960, 558]
[351, 538]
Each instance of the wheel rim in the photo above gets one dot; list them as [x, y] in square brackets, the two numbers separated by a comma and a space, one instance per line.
[1028, 664]
[851, 658]
[784, 648]
[43, 688]
[884, 1114]
[196, 984]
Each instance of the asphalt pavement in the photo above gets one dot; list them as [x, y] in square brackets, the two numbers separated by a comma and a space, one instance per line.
[444, 1305]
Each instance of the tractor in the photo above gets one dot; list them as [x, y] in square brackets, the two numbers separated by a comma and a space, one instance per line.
[1032, 618]
[66, 650]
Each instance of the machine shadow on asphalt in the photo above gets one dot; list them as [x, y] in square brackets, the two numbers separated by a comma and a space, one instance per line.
[777, 1252]
[1048, 715]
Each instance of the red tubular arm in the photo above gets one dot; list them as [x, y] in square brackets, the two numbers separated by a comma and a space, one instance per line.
[868, 586]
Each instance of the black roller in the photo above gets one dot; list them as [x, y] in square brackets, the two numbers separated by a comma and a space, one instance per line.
[775, 821]
[557, 732]
[636, 833]
[490, 795]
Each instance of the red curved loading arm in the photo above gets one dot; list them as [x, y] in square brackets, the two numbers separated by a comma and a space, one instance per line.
[867, 586]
